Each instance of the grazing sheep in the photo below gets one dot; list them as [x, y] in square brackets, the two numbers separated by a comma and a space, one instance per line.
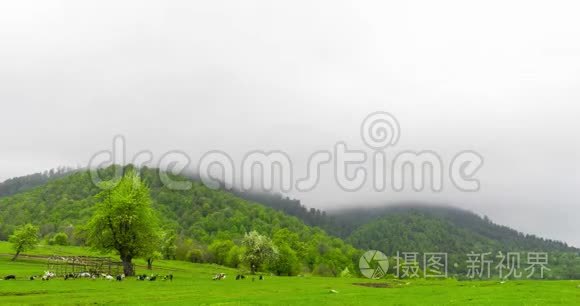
[120, 277]
[219, 276]
[142, 277]
[168, 277]
[240, 276]
[48, 275]
[153, 278]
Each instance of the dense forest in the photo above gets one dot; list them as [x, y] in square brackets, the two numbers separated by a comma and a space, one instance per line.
[361, 225]
[292, 207]
[205, 225]
[27, 182]
[416, 227]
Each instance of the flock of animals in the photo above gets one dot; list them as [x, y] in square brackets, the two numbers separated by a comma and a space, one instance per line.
[142, 277]
[50, 275]
[222, 276]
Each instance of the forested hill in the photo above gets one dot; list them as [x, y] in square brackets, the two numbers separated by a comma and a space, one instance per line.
[27, 182]
[292, 207]
[356, 225]
[207, 224]
[422, 228]
[422, 225]
[445, 227]
[426, 221]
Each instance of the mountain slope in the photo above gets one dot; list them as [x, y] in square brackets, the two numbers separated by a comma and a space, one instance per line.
[355, 224]
[24, 183]
[209, 224]
[466, 230]
[201, 217]
[395, 229]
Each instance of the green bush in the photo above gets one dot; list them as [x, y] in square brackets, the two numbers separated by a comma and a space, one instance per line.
[59, 239]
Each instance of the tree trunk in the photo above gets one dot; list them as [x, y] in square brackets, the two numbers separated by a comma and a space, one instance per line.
[149, 263]
[128, 266]
[16, 255]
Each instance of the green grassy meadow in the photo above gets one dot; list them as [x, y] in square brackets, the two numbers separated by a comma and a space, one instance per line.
[193, 284]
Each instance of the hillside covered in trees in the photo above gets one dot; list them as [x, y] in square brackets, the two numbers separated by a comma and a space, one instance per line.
[27, 182]
[422, 228]
[361, 225]
[439, 227]
[202, 225]
[205, 225]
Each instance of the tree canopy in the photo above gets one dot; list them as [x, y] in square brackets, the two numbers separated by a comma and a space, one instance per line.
[25, 238]
[124, 221]
[259, 249]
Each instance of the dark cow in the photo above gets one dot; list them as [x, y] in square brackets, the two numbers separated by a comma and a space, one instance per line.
[240, 276]
[7, 277]
[68, 276]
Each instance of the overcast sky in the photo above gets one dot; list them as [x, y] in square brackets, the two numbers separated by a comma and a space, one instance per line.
[501, 78]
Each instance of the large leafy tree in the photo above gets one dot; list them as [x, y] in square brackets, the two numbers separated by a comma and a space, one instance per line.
[124, 221]
[259, 249]
[286, 262]
[219, 249]
[24, 238]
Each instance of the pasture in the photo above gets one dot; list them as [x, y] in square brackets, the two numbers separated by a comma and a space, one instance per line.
[193, 284]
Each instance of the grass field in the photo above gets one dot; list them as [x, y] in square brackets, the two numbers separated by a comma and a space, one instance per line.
[193, 285]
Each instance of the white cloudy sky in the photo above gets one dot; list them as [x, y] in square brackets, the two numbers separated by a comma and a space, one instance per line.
[498, 77]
